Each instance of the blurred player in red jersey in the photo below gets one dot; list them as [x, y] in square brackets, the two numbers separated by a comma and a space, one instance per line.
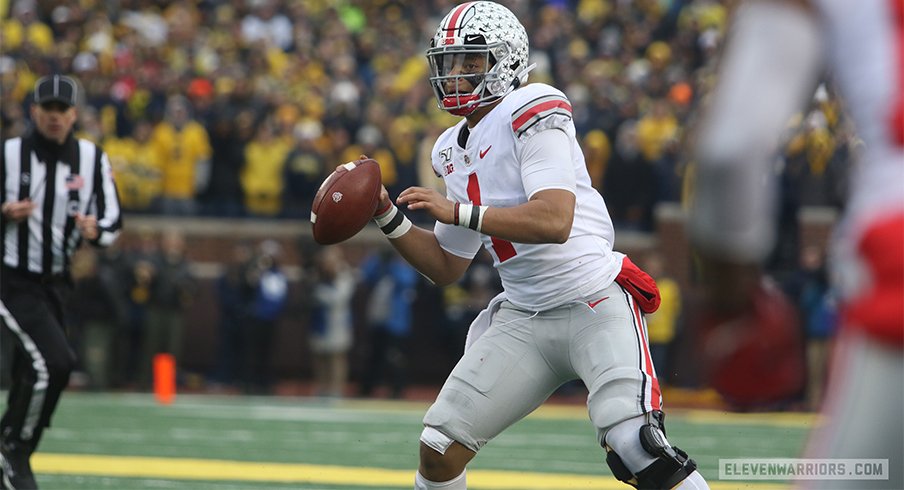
[517, 184]
[776, 52]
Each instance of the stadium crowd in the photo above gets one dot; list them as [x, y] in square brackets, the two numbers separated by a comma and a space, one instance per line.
[241, 108]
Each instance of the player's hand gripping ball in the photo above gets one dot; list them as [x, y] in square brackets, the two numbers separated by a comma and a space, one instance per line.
[346, 201]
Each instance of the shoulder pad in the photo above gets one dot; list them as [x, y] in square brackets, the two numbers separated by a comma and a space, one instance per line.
[546, 111]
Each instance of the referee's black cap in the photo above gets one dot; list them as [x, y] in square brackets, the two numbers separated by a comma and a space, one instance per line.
[56, 88]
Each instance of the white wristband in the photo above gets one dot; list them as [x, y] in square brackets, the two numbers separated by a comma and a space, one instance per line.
[469, 216]
[393, 223]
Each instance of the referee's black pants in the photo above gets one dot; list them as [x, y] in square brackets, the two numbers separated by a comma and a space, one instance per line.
[32, 310]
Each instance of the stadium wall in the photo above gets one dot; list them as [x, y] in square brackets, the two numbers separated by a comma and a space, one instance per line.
[210, 243]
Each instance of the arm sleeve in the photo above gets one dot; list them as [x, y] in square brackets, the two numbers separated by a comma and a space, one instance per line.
[459, 241]
[547, 163]
[109, 216]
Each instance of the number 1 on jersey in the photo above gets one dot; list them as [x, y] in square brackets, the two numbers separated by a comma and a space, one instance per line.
[503, 248]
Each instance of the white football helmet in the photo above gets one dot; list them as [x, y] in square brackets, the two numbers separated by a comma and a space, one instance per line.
[468, 32]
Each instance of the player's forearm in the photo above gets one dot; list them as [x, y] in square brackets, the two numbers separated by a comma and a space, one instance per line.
[535, 221]
[546, 218]
[420, 249]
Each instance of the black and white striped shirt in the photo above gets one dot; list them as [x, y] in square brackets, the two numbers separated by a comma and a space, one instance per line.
[78, 180]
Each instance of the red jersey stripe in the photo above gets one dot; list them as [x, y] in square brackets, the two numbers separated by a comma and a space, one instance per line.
[503, 248]
[655, 391]
[474, 189]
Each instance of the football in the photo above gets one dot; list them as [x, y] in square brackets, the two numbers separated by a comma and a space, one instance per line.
[346, 201]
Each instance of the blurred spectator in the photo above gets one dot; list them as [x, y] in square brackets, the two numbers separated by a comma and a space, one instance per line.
[115, 272]
[234, 293]
[662, 325]
[597, 151]
[262, 176]
[223, 195]
[139, 284]
[270, 291]
[304, 170]
[655, 129]
[94, 307]
[200, 93]
[819, 315]
[331, 324]
[138, 175]
[392, 282]
[369, 141]
[25, 31]
[89, 125]
[426, 175]
[172, 290]
[267, 25]
[182, 146]
[657, 138]
[629, 184]
[402, 140]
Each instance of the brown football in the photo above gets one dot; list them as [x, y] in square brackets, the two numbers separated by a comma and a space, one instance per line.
[346, 201]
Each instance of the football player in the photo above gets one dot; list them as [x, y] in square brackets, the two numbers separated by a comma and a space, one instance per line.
[572, 308]
[775, 55]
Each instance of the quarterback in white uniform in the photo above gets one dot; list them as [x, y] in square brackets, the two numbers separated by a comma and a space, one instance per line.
[572, 308]
[777, 51]
[494, 169]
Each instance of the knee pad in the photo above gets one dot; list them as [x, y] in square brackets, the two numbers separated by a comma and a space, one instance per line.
[670, 464]
[436, 440]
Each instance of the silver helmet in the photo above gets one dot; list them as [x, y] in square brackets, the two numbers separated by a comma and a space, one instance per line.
[483, 43]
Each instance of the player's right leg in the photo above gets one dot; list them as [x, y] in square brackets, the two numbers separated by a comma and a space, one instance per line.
[639, 454]
[612, 356]
[501, 378]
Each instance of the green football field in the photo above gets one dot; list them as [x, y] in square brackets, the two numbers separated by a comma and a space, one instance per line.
[128, 441]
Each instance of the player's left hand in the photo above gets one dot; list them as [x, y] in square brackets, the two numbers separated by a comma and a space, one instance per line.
[87, 226]
[430, 200]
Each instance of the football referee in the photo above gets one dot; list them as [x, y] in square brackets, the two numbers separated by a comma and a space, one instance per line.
[55, 191]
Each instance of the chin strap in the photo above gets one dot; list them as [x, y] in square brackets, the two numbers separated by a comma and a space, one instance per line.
[521, 77]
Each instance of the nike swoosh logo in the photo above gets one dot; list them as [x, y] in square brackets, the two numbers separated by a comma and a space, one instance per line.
[484, 152]
[592, 304]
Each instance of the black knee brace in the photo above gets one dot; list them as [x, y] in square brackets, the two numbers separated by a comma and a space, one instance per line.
[671, 467]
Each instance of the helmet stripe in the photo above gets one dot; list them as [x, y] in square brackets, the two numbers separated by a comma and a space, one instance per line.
[453, 21]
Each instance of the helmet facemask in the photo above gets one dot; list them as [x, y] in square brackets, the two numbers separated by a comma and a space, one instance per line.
[463, 77]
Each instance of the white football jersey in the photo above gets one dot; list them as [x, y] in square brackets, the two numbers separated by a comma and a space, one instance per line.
[489, 171]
